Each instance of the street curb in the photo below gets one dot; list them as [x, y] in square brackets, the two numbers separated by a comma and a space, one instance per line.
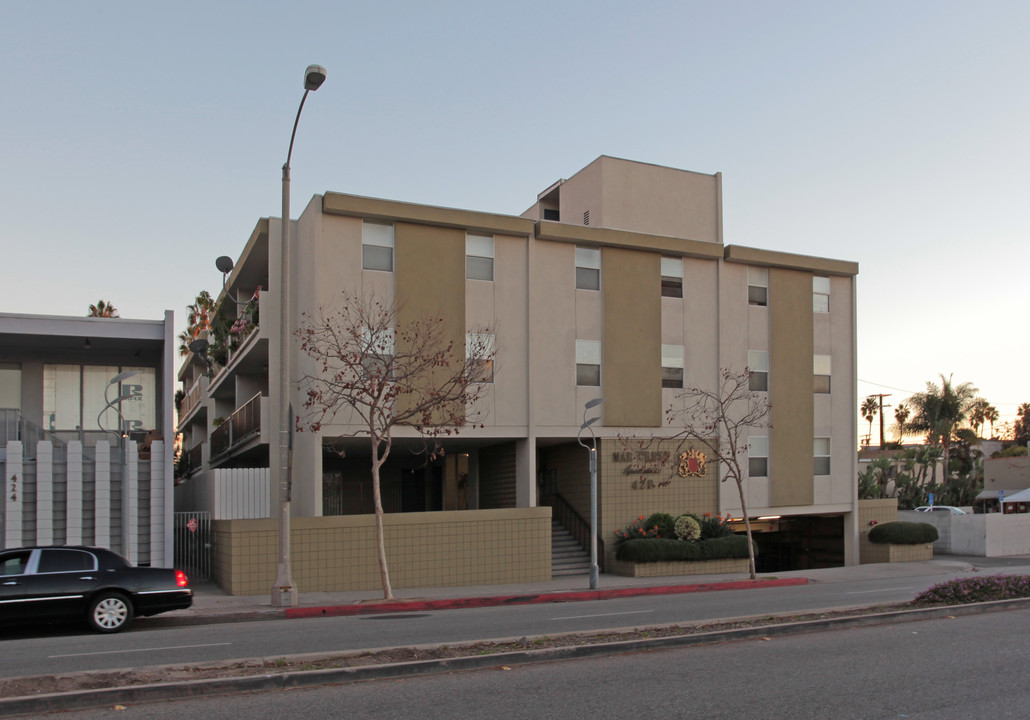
[557, 597]
[283, 681]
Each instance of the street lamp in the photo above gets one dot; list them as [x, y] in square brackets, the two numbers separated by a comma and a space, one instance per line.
[284, 592]
[593, 483]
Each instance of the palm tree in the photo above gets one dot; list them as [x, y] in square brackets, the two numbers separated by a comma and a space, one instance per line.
[978, 414]
[939, 410]
[102, 309]
[1021, 433]
[991, 416]
[869, 409]
[198, 319]
[901, 413]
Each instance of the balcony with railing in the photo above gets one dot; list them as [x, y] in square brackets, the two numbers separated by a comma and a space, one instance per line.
[192, 400]
[240, 427]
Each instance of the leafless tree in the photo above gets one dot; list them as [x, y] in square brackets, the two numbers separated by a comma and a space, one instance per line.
[377, 373]
[720, 419]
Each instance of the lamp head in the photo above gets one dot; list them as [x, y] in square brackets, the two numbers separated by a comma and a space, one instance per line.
[224, 264]
[198, 346]
[314, 76]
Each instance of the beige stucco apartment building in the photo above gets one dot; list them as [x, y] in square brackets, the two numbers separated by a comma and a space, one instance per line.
[616, 282]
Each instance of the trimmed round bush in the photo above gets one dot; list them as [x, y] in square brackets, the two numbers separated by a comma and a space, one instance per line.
[665, 523]
[975, 589]
[903, 533]
[687, 528]
[732, 546]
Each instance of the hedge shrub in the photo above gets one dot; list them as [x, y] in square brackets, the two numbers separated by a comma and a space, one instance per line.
[658, 550]
[665, 523]
[975, 589]
[903, 533]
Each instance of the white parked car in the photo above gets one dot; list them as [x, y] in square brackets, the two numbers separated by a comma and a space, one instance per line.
[942, 508]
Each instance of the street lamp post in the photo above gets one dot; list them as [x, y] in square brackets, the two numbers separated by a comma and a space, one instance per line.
[284, 592]
[593, 483]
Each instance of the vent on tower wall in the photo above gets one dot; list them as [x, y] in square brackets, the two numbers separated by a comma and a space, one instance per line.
[586, 217]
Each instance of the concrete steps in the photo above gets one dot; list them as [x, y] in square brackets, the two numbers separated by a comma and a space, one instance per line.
[567, 557]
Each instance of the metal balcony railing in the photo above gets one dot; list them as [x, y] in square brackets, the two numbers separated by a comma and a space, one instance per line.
[240, 426]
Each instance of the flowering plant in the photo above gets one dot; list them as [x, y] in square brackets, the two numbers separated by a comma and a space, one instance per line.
[248, 319]
[636, 531]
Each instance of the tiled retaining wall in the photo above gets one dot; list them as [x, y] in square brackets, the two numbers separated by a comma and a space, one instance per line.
[338, 553]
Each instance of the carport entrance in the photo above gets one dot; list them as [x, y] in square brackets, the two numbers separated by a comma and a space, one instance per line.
[802, 543]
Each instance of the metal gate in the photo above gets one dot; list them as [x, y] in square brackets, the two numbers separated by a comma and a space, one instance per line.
[193, 544]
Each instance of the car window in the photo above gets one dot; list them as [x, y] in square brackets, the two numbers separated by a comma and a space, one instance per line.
[51, 561]
[14, 563]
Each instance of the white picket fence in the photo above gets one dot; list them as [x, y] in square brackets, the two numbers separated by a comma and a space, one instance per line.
[226, 493]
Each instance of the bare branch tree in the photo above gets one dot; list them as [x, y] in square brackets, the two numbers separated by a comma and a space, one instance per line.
[388, 375]
[720, 420]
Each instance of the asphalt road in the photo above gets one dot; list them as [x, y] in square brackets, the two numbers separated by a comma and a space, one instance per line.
[967, 667]
[66, 650]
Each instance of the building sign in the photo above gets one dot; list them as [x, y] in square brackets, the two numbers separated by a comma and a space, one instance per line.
[692, 464]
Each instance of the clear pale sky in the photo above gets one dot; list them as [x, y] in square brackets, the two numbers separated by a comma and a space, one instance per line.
[141, 140]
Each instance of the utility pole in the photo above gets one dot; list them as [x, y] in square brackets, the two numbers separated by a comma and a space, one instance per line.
[880, 397]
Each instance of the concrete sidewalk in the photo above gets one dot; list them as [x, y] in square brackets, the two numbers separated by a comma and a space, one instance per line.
[211, 604]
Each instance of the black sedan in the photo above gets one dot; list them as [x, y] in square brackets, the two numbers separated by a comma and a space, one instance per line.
[84, 583]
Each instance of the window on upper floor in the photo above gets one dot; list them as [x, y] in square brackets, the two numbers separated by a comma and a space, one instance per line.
[821, 370]
[479, 349]
[10, 386]
[76, 397]
[377, 351]
[377, 246]
[672, 366]
[822, 456]
[757, 286]
[479, 257]
[820, 294]
[758, 456]
[588, 268]
[758, 369]
[588, 363]
[672, 277]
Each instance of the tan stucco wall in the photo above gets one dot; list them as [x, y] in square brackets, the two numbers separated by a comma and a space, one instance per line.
[1007, 473]
[429, 265]
[790, 388]
[333, 554]
[632, 346]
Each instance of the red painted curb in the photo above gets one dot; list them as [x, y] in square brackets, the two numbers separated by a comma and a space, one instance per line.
[571, 596]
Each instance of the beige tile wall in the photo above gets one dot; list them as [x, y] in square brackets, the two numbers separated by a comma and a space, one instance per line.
[663, 569]
[870, 512]
[333, 554]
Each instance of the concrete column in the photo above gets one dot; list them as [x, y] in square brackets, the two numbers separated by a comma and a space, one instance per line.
[44, 493]
[130, 502]
[102, 496]
[73, 500]
[13, 493]
[158, 506]
[525, 473]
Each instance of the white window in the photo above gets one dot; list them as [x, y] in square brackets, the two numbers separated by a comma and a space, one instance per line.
[821, 370]
[77, 396]
[588, 268]
[822, 456]
[758, 367]
[820, 294]
[377, 351]
[479, 257]
[377, 246]
[758, 456]
[672, 366]
[10, 386]
[672, 277]
[479, 350]
[588, 362]
[757, 286]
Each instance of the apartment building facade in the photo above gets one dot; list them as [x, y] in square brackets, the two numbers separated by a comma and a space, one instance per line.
[615, 283]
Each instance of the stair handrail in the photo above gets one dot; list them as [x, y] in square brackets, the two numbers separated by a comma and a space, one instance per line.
[571, 520]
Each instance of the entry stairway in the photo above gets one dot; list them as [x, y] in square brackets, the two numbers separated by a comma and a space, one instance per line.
[567, 557]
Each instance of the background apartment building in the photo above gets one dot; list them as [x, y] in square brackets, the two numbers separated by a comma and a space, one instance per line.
[615, 283]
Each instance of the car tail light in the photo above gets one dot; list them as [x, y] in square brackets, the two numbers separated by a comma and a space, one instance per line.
[180, 578]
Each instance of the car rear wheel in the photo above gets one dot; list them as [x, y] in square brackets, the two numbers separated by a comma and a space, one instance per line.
[109, 612]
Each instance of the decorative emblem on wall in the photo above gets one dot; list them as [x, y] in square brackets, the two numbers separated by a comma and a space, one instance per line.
[692, 464]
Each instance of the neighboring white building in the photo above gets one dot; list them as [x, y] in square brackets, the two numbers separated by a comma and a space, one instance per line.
[87, 433]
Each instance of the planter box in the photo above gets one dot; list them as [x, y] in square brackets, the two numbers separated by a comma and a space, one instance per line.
[888, 553]
[663, 569]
